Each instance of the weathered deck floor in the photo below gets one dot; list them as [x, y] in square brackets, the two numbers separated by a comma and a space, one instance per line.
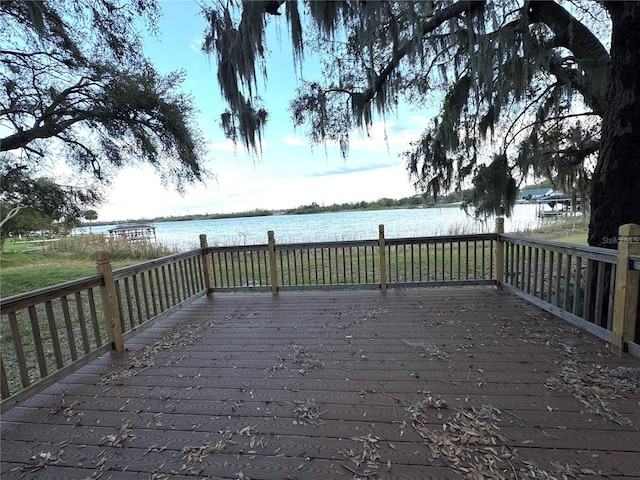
[340, 385]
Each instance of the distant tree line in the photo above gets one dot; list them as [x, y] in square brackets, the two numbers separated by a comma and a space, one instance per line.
[380, 204]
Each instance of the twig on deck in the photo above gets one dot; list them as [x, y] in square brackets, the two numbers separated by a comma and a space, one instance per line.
[372, 474]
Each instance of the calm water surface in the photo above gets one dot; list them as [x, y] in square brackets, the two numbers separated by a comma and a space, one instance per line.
[357, 225]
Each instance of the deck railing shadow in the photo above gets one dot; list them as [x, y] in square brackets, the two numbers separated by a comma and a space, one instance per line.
[48, 333]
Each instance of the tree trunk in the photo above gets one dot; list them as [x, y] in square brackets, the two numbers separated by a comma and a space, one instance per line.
[615, 197]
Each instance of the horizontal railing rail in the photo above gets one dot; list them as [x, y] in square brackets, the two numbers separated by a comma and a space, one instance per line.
[50, 332]
[21, 301]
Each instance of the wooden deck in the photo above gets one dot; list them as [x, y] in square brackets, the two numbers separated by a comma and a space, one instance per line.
[414, 384]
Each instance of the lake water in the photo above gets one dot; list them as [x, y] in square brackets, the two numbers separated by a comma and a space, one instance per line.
[356, 225]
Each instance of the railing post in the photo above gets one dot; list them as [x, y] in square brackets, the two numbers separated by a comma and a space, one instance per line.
[110, 302]
[206, 269]
[625, 303]
[383, 262]
[272, 262]
[499, 254]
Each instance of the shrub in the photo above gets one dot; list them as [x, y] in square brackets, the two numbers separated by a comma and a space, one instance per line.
[119, 248]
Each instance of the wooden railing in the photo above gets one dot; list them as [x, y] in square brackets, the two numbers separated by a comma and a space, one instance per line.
[594, 288]
[399, 262]
[48, 333]
[441, 261]
[562, 277]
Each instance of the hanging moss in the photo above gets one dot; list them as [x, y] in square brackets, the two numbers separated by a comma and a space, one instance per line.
[506, 69]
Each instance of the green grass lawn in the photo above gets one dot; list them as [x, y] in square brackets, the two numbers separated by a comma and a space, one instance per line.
[41, 271]
[22, 268]
[576, 239]
[567, 229]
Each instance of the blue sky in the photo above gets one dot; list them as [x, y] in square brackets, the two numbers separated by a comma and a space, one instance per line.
[290, 172]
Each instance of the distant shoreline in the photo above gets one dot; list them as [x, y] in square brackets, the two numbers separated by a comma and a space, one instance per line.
[302, 210]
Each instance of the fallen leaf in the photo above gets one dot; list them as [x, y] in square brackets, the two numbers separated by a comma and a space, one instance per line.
[587, 471]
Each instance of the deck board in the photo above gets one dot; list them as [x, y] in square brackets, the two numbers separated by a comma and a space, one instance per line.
[306, 384]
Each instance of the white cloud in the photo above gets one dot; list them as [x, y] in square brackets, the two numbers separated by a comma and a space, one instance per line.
[225, 146]
[196, 45]
[294, 141]
[420, 121]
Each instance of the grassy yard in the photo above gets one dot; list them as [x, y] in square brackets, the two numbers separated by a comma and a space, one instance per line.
[576, 239]
[32, 265]
[569, 230]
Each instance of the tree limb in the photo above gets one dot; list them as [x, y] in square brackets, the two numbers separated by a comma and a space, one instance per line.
[428, 26]
[10, 214]
[590, 54]
[22, 138]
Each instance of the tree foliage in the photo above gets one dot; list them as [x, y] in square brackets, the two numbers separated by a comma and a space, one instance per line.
[29, 202]
[91, 215]
[523, 86]
[74, 85]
